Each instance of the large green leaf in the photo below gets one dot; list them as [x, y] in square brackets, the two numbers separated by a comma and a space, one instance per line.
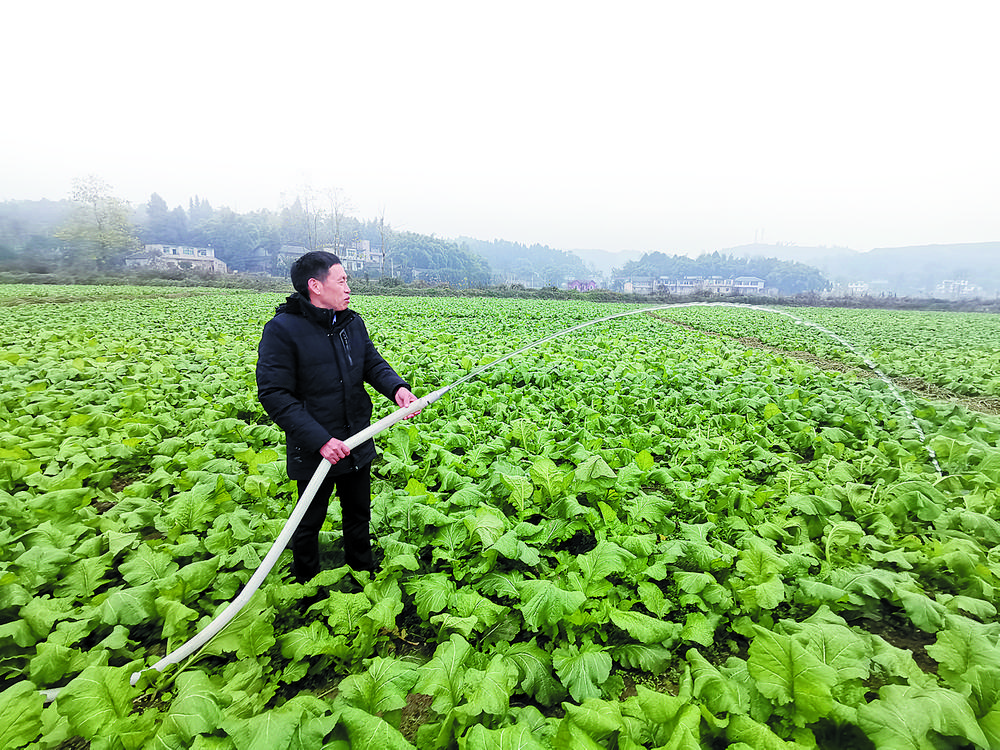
[84, 576]
[97, 700]
[644, 628]
[145, 564]
[484, 612]
[840, 647]
[543, 604]
[191, 580]
[924, 612]
[963, 646]
[311, 640]
[387, 607]
[904, 715]
[486, 526]
[248, 637]
[513, 548]
[700, 627]
[276, 729]
[606, 559]
[653, 659]
[747, 734]
[52, 662]
[41, 613]
[672, 719]
[487, 691]
[129, 606]
[582, 669]
[549, 478]
[593, 475]
[788, 672]
[365, 730]
[432, 592]
[176, 617]
[40, 564]
[345, 611]
[719, 694]
[984, 699]
[535, 672]
[196, 709]
[517, 737]
[20, 714]
[519, 490]
[600, 719]
[443, 677]
[382, 688]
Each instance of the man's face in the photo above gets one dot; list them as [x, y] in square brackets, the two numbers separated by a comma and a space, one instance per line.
[332, 293]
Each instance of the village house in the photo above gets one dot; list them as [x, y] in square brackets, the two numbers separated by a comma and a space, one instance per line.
[177, 256]
[582, 286]
[955, 289]
[354, 256]
[747, 285]
[741, 285]
[357, 255]
[638, 285]
[686, 285]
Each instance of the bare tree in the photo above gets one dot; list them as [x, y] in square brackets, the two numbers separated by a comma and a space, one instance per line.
[384, 233]
[100, 231]
[312, 217]
[339, 205]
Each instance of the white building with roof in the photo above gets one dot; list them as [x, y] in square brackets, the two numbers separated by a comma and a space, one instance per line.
[177, 256]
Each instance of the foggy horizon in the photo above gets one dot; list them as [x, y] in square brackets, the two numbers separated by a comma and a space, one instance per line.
[647, 128]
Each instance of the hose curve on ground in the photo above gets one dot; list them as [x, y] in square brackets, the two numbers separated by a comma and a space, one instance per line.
[224, 617]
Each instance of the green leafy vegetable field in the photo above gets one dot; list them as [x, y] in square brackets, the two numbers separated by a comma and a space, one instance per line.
[633, 536]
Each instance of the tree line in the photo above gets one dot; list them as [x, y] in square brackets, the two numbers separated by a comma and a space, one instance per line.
[95, 231]
[788, 277]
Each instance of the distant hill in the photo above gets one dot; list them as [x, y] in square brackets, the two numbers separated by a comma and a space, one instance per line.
[531, 265]
[918, 270]
[603, 261]
[811, 256]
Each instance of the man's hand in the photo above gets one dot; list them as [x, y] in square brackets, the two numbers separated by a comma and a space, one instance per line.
[334, 450]
[405, 398]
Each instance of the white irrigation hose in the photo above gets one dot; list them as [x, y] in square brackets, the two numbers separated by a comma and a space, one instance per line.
[233, 608]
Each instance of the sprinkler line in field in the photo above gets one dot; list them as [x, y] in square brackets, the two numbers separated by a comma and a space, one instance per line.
[799, 320]
[233, 608]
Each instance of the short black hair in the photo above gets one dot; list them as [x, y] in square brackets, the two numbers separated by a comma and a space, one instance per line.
[313, 265]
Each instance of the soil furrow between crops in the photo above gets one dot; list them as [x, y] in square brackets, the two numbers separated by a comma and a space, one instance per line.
[983, 404]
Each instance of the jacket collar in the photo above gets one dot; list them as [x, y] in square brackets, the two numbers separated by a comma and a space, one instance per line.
[296, 304]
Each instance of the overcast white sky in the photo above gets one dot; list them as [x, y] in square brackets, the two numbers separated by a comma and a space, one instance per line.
[670, 126]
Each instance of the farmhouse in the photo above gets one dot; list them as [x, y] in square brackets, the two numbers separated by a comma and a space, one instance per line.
[741, 285]
[686, 285]
[748, 285]
[354, 256]
[955, 289]
[638, 285]
[176, 256]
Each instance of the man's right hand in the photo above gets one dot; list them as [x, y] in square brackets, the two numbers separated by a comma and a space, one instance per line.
[334, 450]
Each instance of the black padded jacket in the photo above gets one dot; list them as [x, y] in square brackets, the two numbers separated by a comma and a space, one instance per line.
[311, 370]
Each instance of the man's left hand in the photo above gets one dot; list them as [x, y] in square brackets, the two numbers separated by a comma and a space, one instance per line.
[404, 398]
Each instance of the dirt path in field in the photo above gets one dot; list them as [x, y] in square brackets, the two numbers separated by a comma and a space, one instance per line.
[62, 299]
[985, 404]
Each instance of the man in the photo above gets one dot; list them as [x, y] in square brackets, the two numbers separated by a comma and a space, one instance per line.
[313, 360]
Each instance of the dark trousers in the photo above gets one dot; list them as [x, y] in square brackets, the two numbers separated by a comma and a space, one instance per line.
[354, 492]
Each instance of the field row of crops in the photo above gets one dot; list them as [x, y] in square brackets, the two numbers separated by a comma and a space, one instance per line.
[632, 536]
[956, 351]
[21, 294]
